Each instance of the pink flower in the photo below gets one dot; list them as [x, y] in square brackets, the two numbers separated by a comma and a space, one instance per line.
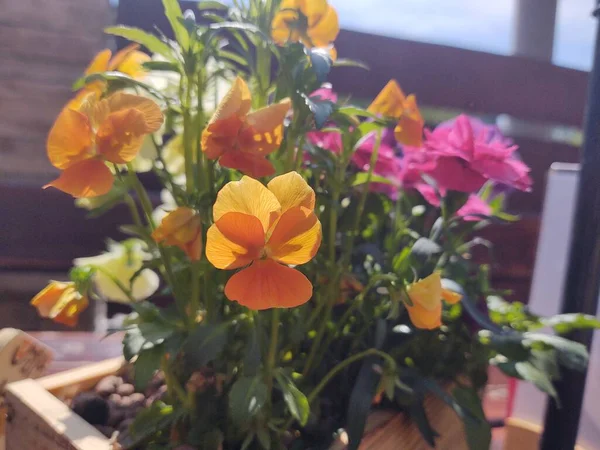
[468, 154]
[414, 164]
[387, 164]
[329, 140]
[473, 209]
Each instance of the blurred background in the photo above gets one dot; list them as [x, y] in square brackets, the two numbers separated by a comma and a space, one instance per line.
[521, 64]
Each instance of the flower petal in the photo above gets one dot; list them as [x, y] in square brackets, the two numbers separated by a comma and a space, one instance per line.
[427, 292]
[181, 228]
[296, 237]
[281, 31]
[121, 135]
[132, 64]
[99, 63]
[47, 297]
[236, 102]
[153, 116]
[267, 284]
[247, 196]
[389, 102]
[409, 130]
[267, 119]
[424, 318]
[451, 297]
[313, 10]
[292, 190]
[252, 164]
[70, 139]
[70, 304]
[325, 29]
[89, 178]
[234, 241]
[220, 136]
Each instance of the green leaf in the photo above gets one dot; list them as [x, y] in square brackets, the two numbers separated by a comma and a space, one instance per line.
[363, 177]
[145, 336]
[212, 5]
[352, 111]
[320, 109]
[165, 66]
[425, 248]
[247, 27]
[479, 433]
[565, 323]
[234, 57]
[116, 78]
[146, 365]
[320, 61]
[252, 356]
[150, 421]
[174, 13]
[346, 62]
[418, 415]
[150, 41]
[295, 400]
[361, 400]
[264, 437]
[570, 354]
[246, 398]
[205, 344]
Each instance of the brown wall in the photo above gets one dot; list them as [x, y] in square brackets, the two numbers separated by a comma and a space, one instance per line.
[44, 47]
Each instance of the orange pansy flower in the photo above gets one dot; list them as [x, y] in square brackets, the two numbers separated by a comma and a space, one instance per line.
[84, 137]
[392, 102]
[61, 302]
[263, 229]
[426, 296]
[241, 139]
[128, 60]
[181, 228]
[313, 22]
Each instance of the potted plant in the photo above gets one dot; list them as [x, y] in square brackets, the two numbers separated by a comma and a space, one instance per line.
[317, 253]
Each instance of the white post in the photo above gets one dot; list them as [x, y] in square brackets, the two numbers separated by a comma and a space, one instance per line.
[534, 29]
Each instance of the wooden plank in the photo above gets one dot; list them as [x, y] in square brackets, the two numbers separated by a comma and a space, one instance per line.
[38, 420]
[69, 383]
[467, 80]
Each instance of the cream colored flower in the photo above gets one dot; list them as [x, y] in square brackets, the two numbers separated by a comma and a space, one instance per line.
[121, 262]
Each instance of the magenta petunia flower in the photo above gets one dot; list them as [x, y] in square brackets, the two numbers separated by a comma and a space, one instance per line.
[468, 154]
[473, 209]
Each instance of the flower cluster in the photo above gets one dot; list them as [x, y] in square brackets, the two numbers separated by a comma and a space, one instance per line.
[298, 234]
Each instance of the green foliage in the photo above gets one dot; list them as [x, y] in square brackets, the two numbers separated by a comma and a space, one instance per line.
[295, 400]
[247, 397]
[150, 41]
[205, 344]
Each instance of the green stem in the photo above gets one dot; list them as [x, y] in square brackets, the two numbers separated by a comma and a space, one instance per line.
[272, 355]
[338, 368]
[187, 138]
[135, 215]
[142, 195]
[173, 384]
[362, 201]
[195, 294]
[199, 124]
[300, 153]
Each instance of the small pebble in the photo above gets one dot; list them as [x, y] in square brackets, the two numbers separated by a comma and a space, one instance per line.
[91, 407]
[137, 399]
[116, 416]
[114, 399]
[125, 389]
[125, 402]
[108, 385]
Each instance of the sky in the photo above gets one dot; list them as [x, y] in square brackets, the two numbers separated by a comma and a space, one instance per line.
[484, 25]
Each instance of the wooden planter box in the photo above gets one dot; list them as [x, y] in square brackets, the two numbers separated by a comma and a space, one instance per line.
[38, 419]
